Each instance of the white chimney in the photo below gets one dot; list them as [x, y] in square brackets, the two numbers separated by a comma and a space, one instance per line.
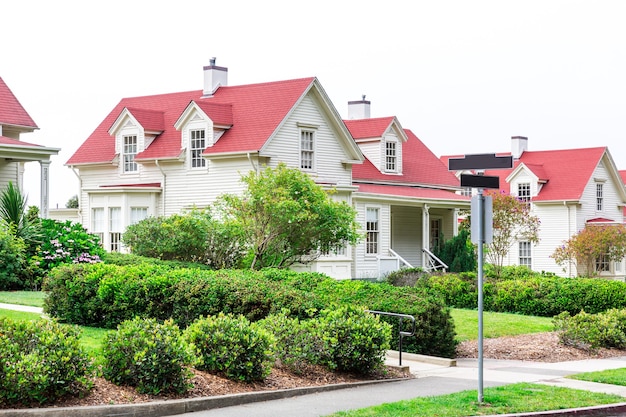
[214, 77]
[359, 109]
[519, 144]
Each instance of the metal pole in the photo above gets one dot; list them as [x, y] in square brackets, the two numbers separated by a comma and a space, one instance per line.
[481, 239]
[400, 344]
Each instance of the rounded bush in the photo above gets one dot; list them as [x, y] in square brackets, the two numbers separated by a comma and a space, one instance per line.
[354, 340]
[231, 345]
[40, 362]
[151, 356]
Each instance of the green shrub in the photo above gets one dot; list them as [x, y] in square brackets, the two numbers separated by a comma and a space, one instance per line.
[231, 345]
[408, 277]
[41, 361]
[67, 242]
[151, 356]
[458, 253]
[128, 259]
[297, 345]
[353, 340]
[12, 259]
[592, 331]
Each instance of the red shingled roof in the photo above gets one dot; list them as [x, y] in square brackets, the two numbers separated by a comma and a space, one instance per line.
[419, 164]
[11, 111]
[414, 192]
[256, 112]
[8, 141]
[566, 171]
[368, 128]
[151, 120]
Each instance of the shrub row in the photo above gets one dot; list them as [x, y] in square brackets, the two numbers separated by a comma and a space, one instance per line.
[592, 331]
[105, 295]
[40, 361]
[535, 295]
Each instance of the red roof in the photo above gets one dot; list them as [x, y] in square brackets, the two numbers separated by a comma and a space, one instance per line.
[368, 128]
[419, 164]
[8, 141]
[255, 111]
[566, 172]
[414, 192]
[151, 120]
[11, 111]
[623, 175]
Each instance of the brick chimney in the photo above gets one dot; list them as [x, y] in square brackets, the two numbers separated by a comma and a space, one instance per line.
[519, 144]
[214, 77]
[359, 109]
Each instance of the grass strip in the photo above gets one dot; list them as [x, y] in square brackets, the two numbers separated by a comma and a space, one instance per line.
[24, 298]
[514, 398]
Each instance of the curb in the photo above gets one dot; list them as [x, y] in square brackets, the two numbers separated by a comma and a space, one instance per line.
[433, 360]
[595, 411]
[174, 407]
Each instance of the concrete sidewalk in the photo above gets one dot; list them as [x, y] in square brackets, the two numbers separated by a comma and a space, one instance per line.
[18, 307]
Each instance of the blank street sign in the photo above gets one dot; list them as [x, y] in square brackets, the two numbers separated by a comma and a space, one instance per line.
[479, 181]
[480, 161]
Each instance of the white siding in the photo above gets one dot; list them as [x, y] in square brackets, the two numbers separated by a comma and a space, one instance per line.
[406, 232]
[285, 146]
[8, 173]
[367, 265]
[372, 151]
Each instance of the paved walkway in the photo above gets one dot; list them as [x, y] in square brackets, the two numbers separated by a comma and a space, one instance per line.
[433, 376]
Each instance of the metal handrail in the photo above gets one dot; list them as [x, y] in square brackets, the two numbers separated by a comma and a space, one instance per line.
[401, 333]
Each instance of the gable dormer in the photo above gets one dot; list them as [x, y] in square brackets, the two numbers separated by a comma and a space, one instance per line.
[201, 124]
[380, 140]
[526, 181]
[134, 130]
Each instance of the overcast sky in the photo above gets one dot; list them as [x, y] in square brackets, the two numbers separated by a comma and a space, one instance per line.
[464, 76]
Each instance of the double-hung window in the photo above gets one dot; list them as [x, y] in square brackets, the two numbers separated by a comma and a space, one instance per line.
[97, 223]
[307, 152]
[525, 254]
[391, 156]
[603, 264]
[130, 150]
[115, 229]
[599, 197]
[523, 192]
[137, 214]
[196, 148]
[372, 221]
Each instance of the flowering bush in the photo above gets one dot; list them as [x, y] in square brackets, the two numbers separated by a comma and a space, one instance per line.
[67, 242]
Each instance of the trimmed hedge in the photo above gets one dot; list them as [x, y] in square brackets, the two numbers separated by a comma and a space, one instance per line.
[536, 295]
[105, 295]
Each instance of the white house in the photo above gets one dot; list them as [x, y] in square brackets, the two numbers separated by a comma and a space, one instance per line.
[159, 155]
[568, 190]
[14, 153]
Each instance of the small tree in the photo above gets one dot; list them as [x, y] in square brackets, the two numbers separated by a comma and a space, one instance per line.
[458, 253]
[72, 202]
[288, 218]
[512, 222]
[591, 244]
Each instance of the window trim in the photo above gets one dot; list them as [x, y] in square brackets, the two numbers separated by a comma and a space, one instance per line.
[372, 236]
[523, 192]
[311, 135]
[391, 159]
[195, 153]
[525, 254]
[128, 158]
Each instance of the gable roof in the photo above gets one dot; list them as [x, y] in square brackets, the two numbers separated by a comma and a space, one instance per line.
[11, 111]
[566, 172]
[255, 112]
[419, 165]
[368, 128]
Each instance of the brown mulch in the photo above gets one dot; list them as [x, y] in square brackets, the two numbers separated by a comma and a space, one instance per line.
[538, 347]
[207, 384]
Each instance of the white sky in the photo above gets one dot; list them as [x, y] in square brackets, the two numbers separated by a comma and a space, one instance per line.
[464, 76]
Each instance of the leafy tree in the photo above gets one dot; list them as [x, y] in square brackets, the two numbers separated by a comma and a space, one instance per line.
[512, 222]
[458, 253]
[72, 202]
[287, 218]
[592, 243]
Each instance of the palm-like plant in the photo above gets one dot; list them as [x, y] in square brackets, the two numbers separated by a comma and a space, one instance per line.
[13, 213]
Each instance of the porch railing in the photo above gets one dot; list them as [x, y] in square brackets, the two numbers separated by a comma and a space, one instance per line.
[403, 262]
[432, 262]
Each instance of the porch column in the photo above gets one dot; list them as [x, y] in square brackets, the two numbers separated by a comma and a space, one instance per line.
[425, 233]
[455, 222]
[44, 188]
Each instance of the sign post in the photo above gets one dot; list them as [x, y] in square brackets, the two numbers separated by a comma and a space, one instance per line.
[482, 223]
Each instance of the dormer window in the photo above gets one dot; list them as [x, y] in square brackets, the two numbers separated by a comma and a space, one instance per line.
[197, 146]
[307, 152]
[391, 156]
[523, 192]
[129, 152]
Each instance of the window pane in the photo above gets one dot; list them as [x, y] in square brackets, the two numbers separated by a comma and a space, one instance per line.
[599, 197]
[137, 214]
[371, 243]
[523, 192]
[390, 156]
[525, 254]
[197, 147]
[130, 150]
[306, 149]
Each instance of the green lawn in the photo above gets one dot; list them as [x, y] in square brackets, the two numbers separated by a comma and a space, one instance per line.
[25, 298]
[507, 399]
[497, 324]
[91, 338]
[611, 376]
